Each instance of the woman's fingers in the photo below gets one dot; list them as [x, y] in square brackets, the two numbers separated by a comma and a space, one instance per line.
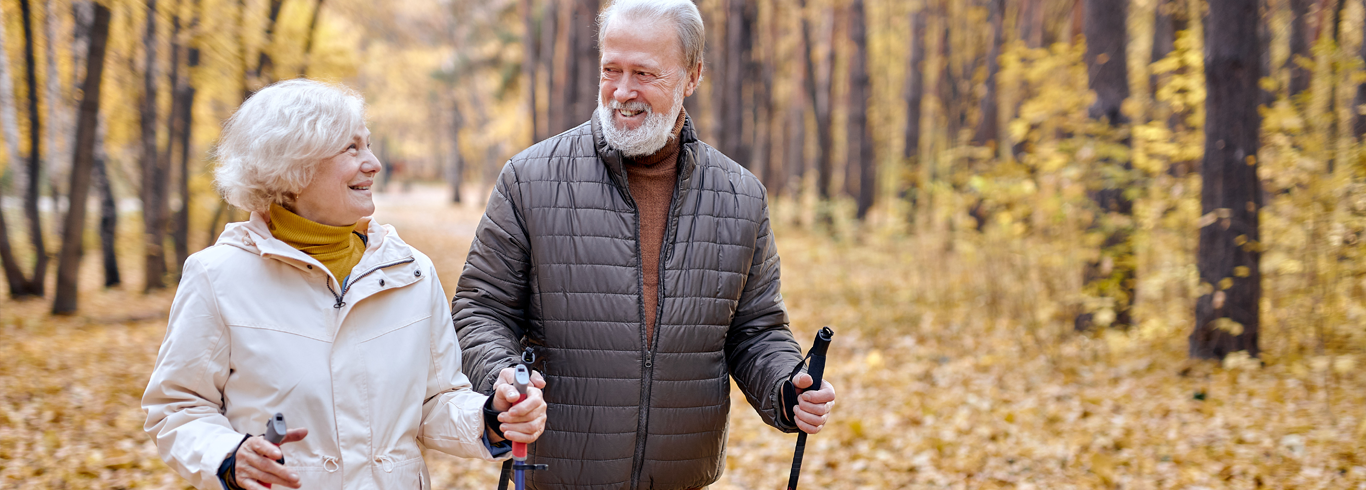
[256, 462]
[295, 435]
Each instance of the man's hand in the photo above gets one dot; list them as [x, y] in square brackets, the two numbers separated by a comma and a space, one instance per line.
[813, 406]
[521, 422]
[256, 463]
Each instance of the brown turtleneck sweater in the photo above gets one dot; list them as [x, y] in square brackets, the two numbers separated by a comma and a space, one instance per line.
[652, 180]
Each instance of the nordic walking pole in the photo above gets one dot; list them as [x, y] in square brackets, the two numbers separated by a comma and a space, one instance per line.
[275, 434]
[521, 378]
[815, 369]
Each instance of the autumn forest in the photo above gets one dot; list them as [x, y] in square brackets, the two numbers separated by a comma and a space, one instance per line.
[1064, 243]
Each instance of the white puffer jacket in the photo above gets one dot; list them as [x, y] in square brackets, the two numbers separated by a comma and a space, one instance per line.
[372, 369]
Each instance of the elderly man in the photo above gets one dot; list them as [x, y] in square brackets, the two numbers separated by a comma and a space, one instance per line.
[639, 263]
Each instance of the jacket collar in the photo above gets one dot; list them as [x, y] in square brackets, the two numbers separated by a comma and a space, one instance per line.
[616, 163]
[383, 246]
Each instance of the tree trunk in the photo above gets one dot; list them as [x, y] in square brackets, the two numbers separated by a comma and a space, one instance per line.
[154, 178]
[529, 65]
[109, 214]
[947, 87]
[36, 282]
[914, 93]
[9, 129]
[457, 170]
[760, 62]
[182, 129]
[1112, 276]
[175, 126]
[549, 22]
[86, 129]
[1227, 317]
[263, 74]
[860, 137]
[1359, 118]
[1105, 58]
[58, 155]
[1300, 46]
[584, 97]
[988, 128]
[1030, 23]
[312, 34]
[818, 94]
[915, 84]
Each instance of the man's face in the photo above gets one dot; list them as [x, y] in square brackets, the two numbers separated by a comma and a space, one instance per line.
[642, 86]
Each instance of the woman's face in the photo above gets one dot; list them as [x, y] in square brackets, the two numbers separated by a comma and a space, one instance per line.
[339, 194]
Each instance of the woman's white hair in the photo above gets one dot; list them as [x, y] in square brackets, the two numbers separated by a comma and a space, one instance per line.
[271, 147]
[683, 14]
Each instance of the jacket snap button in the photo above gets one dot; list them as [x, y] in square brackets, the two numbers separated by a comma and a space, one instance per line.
[417, 273]
[381, 283]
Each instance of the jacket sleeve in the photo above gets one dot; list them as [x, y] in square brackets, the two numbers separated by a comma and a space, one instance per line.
[490, 305]
[760, 350]
[452, 413]
[184, 398]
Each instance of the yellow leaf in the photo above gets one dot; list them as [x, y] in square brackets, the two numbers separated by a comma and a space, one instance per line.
[1241, 271]
[1226, 283]
[1228, 325]
[874, 359]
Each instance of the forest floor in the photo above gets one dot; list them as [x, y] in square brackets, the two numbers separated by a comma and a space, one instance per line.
[935, 389]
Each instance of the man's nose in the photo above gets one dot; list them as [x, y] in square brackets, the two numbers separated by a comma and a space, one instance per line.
[624, 90]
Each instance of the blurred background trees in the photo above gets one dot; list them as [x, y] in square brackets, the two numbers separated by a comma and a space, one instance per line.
[1132, 164]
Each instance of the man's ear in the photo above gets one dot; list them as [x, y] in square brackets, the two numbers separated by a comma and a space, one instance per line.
[694, 79]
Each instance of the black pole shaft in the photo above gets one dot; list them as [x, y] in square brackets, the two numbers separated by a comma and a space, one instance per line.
[816, 369]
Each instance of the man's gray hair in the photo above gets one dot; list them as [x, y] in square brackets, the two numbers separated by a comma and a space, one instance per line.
[271, 147]
[684, 15]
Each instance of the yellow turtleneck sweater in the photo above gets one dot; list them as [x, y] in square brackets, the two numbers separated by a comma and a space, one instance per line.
[339, 248]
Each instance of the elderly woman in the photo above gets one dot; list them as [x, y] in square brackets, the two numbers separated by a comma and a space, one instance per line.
[312, 310]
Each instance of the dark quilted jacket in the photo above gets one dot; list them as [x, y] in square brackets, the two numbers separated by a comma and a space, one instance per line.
[555, 263]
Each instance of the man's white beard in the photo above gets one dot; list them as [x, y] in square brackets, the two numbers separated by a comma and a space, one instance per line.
[646, 139]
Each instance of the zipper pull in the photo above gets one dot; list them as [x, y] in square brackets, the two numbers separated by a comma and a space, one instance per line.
[649, 359]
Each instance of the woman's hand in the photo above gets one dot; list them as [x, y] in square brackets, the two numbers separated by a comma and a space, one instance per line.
[521, 422]
[256, 463]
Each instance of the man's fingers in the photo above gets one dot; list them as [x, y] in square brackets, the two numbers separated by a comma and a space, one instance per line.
[526, 432]
[824, 395]
[533, 406]
[537, 380]
[802, 381]
[809, 422]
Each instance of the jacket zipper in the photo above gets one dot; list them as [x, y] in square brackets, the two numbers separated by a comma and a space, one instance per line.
[647, 374]
[340, 303]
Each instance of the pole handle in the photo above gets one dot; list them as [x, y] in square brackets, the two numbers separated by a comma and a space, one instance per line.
[521, 379]
[816, 369]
